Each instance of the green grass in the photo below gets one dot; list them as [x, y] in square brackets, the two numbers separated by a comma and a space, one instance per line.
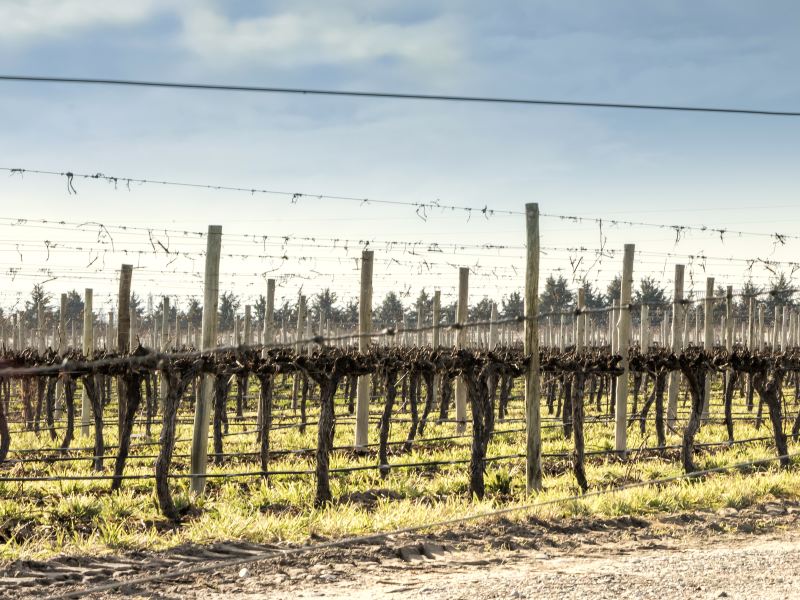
[41, 519]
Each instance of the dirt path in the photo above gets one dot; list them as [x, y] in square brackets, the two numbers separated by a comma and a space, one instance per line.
[747, 569]
[751, 554]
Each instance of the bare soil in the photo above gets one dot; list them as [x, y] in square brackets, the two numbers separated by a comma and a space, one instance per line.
[749, 553]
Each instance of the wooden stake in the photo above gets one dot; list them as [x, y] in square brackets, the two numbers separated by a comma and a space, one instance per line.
[580, 323]
[123, 335]
[364, 383]
[729, 319]
[708, 338]
[624, 334]
[124, 308]
[461, 318]
[134, 325]
[88, 349]
[493, 327]
[208, 342]
[533, 445]
[62, 324]
[678, 328]
[435, 339]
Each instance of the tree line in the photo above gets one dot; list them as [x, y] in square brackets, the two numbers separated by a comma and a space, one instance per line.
[557, 295]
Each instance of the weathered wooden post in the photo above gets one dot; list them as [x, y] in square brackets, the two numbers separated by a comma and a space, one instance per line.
[202, 410]
[248, 325]
[298, 347]
[624, 334]
[679, 311]
[269, 317]
[364, 384]
[644, 328]
[435, 339]
[134, 329]
[88, 349]
[708, 339]
[533, 434]
[165, 339]
[420, 322]
[729, 318]
[493, 327]
[461, 318]
[62, 324]
[40, 326]
[580, 321]
[123, 335]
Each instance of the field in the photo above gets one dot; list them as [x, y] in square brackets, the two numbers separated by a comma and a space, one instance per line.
[429, 483]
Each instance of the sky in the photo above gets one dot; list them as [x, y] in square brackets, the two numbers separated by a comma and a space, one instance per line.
[728, 172]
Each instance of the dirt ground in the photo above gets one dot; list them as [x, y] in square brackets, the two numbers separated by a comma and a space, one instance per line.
[750, 553]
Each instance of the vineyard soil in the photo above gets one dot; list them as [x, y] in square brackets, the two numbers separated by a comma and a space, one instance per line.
[748, 553]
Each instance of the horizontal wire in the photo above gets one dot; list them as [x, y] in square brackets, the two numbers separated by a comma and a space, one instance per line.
[421, 207]
[392, 95]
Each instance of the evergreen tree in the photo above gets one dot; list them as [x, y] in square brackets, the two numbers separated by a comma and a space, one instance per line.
[482, 311]
[228, 305]
[390, 311]
[512, 306]
[556, 296]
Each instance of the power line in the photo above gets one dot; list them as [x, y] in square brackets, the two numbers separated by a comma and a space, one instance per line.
[394, 95]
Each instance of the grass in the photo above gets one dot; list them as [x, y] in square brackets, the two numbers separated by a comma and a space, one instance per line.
[40, 519]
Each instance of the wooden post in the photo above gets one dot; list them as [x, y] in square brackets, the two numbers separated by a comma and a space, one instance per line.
[164, 347]
[729, 318]
[62, 324]
[533, 435]
[784, 327]
[435, 339]
[420, 321]
[40, 326]
[364, 383]
[15, 334]
[123, 336]
[134, 326]
[208, 342]
[88, 349]
[165, 324]
[493, 327]
[461, 318]
[269, 316]
[644, 329]
[269, 333]
[124, 308]
[679, 310]
[580, 321]
[708, 338]
[624, 334]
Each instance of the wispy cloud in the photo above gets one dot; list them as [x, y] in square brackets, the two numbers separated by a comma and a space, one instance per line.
[303, 37]
[32, 21]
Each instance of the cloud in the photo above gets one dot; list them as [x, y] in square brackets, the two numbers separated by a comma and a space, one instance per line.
[308, 37]
[32, 20]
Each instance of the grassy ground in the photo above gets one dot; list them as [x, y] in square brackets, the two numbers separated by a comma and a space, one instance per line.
[45, 518]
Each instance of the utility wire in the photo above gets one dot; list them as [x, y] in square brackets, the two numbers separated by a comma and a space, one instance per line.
[393, 95]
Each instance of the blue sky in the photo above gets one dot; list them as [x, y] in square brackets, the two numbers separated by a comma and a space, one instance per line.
[726, 171]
